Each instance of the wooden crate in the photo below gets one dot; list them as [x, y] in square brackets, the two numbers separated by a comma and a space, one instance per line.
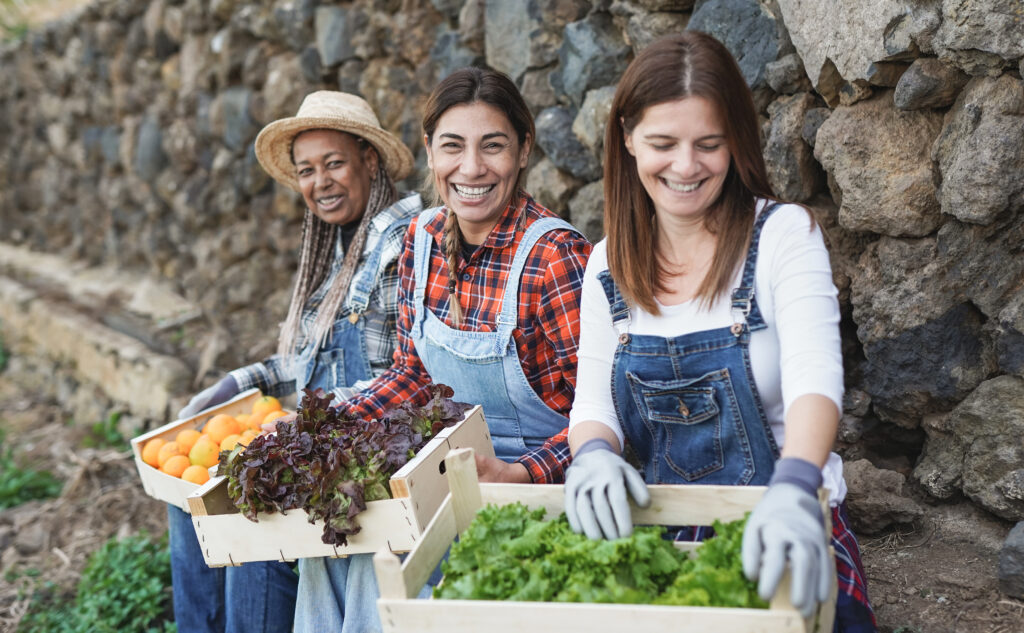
[670, 505]
[418, 488]
[173, 490]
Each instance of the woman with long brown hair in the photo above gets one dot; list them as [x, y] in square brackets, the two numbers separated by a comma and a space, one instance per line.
[709, 340]
[489, 305]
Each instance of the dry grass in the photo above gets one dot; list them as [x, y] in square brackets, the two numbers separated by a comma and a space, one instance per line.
[16, 16]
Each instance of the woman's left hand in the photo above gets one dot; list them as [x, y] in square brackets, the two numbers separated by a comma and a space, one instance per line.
[494, 470]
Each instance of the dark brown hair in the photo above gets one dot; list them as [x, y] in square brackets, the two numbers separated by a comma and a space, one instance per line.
[689, 64]
[462, 87]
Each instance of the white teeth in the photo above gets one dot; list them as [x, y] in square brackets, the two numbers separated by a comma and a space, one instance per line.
[473, 192]
[329, 200]
[675, 186]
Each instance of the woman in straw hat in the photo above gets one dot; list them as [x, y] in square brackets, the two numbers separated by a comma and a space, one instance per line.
[489, 305]
[340, 328]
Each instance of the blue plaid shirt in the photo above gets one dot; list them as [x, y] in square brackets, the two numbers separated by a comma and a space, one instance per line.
[275, 375]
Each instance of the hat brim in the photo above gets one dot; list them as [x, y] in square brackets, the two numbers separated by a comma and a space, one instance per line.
[274, 146]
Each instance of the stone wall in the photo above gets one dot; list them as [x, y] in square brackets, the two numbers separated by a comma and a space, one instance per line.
[127, 130]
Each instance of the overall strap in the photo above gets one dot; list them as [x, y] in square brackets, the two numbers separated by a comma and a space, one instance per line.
[509, 315]
[616, 302]
[421, 259]
[744, 305]
[363, 285]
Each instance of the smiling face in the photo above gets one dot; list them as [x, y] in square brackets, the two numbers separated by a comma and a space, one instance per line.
[475, 157]
[334, 174]
[682, 157]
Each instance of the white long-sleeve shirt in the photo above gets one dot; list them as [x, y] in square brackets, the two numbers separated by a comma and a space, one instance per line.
[798, 353]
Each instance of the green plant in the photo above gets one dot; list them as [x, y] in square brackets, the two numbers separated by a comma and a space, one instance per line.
[13, 23]
[3, 354]
[18, 485]
[106, 433]
[125, 587]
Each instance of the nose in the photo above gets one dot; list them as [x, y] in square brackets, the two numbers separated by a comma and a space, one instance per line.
[322, 179]
[472, 163]
[686, 162]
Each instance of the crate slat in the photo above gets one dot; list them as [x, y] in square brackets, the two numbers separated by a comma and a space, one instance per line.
[670, 505]
[174, 490]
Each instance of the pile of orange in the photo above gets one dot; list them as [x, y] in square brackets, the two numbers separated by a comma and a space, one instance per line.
[192, 452]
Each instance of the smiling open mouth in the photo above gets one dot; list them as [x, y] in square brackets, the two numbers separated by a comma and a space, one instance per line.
[680, 187]
[328, 202]
[472, 192]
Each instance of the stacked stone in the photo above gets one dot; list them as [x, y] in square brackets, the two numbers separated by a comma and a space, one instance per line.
[128, 128]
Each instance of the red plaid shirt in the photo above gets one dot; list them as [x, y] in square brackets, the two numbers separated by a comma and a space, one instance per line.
[547, 334]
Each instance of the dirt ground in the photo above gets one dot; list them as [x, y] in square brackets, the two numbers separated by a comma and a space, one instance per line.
[936, 577]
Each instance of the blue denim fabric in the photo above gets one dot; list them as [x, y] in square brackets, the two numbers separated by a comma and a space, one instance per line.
[688, 404]
[340, 594]
[260, 597]
[483, 367]
[198, 589]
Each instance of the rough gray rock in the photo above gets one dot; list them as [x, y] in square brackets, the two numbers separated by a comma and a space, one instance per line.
[240, 128]
[336, 28]
[813, 119]
[980, 152]
[928, 83]
[839, 42]
[792, 170]
[644, 28]
[878, 498]
[507, 29]
[586, 211]
[746, 28]
[589, 124]
[883, 180]
[1011, 563]
[551, 186]
[786, 75]
[980, 36]
[555, 137]
[977, 449]
[149, 154]
[593, 54]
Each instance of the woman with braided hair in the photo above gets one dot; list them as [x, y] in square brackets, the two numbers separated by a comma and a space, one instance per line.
[489, 305]
[339, 332]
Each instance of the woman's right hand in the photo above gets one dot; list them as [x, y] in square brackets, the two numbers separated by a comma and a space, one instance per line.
[223, 391]
[596, 486]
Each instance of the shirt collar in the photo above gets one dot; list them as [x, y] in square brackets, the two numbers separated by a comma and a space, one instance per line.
[501, 236]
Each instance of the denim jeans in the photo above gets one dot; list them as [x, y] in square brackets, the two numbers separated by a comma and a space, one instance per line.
[251, 598]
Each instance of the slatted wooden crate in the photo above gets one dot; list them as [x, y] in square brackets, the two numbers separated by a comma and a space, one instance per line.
[670, 505]
[173, 490]
[418, 488]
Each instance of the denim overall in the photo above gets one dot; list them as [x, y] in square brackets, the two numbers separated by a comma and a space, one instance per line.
[483, 367]
[688, 404]
[342, 360]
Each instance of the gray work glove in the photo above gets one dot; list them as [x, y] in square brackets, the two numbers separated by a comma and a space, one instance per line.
[595, 492]
[223, 391]
[786, 526]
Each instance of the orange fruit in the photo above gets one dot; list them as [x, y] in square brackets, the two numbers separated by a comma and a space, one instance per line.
[229, 442]
[167, 451]
[247, 436]
[175, 465]
[196, 474]
[187, 439]
[204, 453]
[221, 426]
[243, 419]
[265, 405]
[273, 415]
[151, 450]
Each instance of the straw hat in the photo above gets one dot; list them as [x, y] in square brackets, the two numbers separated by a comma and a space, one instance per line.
[329, 110]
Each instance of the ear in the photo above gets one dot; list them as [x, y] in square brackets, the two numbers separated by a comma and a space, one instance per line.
[627, 138]
[372, 160]
[430, 155]
[524, 151]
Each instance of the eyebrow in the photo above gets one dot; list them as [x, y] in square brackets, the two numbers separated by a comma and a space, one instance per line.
[325, 157]
[651, 137]
[485, 137]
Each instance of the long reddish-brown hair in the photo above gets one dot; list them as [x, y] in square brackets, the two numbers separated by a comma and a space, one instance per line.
[689, 64]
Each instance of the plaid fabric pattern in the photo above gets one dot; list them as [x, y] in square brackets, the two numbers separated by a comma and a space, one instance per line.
[547, 335]
[275, 376]
[853, 610]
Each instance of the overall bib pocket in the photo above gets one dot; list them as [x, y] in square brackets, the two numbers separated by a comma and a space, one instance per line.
[691, 420]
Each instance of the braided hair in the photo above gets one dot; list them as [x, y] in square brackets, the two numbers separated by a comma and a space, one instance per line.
[318, 240]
